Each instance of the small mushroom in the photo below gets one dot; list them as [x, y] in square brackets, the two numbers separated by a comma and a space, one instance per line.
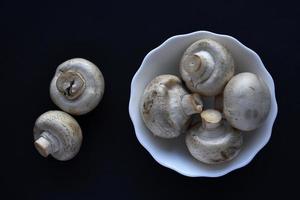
[213, 141]
[206, 66]
[57, 133]
[247, 101]
[166, 107]
[77, 86]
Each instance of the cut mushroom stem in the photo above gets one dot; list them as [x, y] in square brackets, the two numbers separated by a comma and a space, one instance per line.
[70, 84]
[192, 104]
[211, 119]
[46, 144]
[202, 62]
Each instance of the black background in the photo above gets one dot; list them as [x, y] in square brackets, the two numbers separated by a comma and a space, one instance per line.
[37, 37]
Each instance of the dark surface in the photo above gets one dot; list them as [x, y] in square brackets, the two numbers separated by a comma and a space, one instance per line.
[37, 37]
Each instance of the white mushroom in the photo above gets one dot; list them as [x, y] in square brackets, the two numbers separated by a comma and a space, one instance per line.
[77, 86]
[58, 134]
[166, 107]
[206, 66]
[247, 101]
[213, 141]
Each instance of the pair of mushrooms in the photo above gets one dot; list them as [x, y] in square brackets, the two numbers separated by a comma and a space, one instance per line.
[207, 69]
[77, 88]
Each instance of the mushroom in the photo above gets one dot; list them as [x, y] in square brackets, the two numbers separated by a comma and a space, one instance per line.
[206, 66]
[166, 107]
[213, 141]
[247, 101]
[57, 133]
[77, 86]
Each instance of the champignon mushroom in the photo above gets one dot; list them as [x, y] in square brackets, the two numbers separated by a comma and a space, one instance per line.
[247, 101]
[166, 107]
[213, 141]
[77, 86]
[57, 133]
[206, 66]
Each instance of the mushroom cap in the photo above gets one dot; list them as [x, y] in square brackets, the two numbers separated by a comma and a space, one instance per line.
[161, 106]
[85, 77]
[214, 146]
[65, 130]
[206, 66]
[247, 101]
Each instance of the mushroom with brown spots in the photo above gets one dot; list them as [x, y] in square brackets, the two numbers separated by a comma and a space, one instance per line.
[206, 66]
[247, 101]
[57, 133]
[166, 107]
[213, 141]
[77, 86]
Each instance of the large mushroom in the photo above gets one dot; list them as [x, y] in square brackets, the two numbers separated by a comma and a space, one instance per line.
[213, 141]
[247, 101]
[57, 133]
[166, 107]
[206, 66]
[77, 86]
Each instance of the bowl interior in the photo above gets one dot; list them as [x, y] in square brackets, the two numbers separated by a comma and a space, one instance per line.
[173, 153]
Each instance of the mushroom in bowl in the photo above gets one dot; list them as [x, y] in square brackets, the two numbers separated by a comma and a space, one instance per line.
[166, 107]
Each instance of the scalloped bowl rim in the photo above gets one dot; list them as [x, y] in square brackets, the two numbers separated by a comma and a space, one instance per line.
[233, 167]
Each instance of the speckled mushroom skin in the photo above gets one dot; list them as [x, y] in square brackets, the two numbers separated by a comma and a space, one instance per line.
[164, 106]
[247, 101]
[206, 66]
[66, 132]
[214, 146]
[77, 86]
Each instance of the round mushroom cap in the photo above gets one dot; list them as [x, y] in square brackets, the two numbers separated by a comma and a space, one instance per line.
[77, 86]
[164, 108]
[214, 146]
[247, 101]
[206, 66]
[65, 131]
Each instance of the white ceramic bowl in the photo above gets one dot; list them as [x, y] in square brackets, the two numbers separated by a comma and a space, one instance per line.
[173, 153]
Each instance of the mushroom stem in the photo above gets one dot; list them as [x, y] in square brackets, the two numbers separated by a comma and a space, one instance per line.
[191, 104]
[70, 84]
[200, 64]
[211, 119]
[46, 144]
